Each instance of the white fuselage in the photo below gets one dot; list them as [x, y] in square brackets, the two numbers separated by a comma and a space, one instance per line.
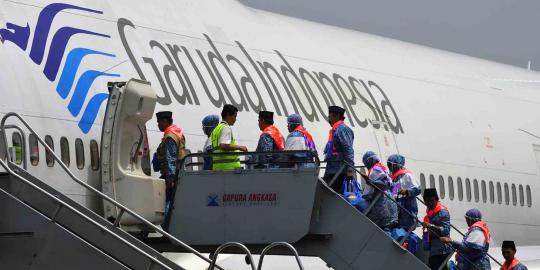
[449, 115]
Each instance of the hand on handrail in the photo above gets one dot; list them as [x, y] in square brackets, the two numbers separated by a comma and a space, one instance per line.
[409, 213]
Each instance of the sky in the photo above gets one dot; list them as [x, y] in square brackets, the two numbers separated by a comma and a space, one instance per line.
[505, 31]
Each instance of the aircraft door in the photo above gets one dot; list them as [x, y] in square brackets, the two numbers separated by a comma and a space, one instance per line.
[124, 151]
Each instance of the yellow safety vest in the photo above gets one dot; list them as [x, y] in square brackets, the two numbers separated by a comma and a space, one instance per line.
[222, 163]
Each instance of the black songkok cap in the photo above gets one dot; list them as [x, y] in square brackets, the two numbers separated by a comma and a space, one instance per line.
[266, 115]
[336, 109]
[509, 244]
[430, 193]
[164, 115]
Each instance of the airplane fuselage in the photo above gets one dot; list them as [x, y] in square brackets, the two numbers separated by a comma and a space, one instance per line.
[452, 116]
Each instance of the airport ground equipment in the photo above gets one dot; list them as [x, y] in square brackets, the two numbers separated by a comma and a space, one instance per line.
[221, 248]
[259, 206]
[286, 245]
[45, 229]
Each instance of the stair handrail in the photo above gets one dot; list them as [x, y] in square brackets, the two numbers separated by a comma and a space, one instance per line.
[461, 233]
[231, 244]
[187, 160]
[99, 193]
[283, 244]
[347, 164]
[64, 204]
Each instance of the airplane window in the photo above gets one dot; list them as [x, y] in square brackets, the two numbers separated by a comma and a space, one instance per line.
[441, 187]
[423, 182]
[49, 158]
[468, 189]
[450, 188]
[34, 149]
[521, 196]
[476, 191]
[484, 191]
[529, 200]
[16, 139]
[514, 195]
[432, 182]
[491, 192]
[94, 155]
[64, 150]
[506, 194]
[460, 189]
[79, 154]
[499, 193]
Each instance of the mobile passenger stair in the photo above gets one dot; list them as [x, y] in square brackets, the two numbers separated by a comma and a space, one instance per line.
[261, 206]
[254, 209]
[42, 228]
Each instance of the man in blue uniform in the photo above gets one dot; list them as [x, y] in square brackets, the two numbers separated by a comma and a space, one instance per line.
[299, 139]
[209, 123]
[270, 140]
[405, 188]
[436, 225]
[384, 212]
[339, 147]
[509, 253]
[169, 152]
[473, 249]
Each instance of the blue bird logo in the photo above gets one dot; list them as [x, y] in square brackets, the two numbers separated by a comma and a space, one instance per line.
[19, 35]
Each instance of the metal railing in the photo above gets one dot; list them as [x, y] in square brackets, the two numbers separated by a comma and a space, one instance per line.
[97, 192]
[462, 234]
[249, 257]
[279, 159]
[63, 204]
[283, 244]
[417, 221]
[231, 244]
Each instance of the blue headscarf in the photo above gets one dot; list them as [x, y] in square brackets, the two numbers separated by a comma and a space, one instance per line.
[370, 159]
[209, 123]
[395, 162]
[294, 120]
[473, 215]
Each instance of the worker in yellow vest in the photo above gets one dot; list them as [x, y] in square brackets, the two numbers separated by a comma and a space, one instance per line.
[223, 141]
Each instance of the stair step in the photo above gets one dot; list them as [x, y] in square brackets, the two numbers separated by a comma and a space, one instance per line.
[118, 246]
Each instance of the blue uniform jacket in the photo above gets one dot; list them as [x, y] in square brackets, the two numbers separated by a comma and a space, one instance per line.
[170, 155]
[267, 144]
[440, 219]
[520, 266]
[408, 202]
[299, 158]
[339, 149]
[384, 212]
[472, 256]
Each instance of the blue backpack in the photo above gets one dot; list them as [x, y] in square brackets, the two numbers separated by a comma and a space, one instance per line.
[411, 244]
[352, 193]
